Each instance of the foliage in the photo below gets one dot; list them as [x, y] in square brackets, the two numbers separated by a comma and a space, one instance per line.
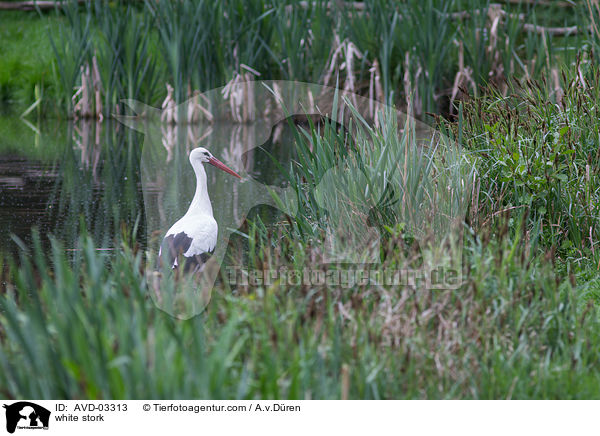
[420, 53]
[522, 322]
[537, 149]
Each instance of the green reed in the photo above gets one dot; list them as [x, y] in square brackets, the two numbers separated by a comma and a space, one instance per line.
[86, 326]
[422, 52]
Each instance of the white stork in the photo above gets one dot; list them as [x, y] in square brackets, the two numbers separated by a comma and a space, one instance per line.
[194, 236]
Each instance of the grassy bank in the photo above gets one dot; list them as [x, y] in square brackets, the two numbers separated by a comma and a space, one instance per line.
[26, 60]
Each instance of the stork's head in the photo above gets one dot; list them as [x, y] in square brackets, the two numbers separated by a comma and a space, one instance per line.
[200, 155]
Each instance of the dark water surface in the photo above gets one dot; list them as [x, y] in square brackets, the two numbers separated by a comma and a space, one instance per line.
[26, 193]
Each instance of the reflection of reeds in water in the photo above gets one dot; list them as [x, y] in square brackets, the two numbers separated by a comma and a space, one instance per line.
[86, 137]
[97, 185]
[241, 139]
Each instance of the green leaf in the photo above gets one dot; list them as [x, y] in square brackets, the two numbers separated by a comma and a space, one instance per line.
[562, 177]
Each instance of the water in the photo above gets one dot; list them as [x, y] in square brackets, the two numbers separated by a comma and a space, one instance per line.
[26, 197]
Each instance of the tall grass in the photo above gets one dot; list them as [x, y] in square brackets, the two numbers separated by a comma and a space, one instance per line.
[72, 46]
[123, 51]
[422, 53]
[89, 330]
[189, 42]
[536, 150]
[104, 51]
[375, 32]
[301, 41]
[389, 177]
[514, 328]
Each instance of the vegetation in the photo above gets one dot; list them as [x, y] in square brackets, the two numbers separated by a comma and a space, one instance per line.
[521, 101]
[538, 150]
[25, 60]
[514, 330]
[416, 51]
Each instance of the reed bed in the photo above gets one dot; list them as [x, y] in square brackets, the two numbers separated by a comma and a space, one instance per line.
[513, 330]
[536, 150]
[422, 55]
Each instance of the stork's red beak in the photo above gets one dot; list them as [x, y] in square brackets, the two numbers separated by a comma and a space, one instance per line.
[220, 165]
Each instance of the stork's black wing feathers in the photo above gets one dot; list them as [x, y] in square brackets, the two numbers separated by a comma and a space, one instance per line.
[179, 244]
[174, 246]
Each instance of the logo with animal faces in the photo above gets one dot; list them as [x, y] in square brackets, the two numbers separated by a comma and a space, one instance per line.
[390, 178]
[25, 415]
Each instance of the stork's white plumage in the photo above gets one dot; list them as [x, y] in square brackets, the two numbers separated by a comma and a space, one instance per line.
[194, 237]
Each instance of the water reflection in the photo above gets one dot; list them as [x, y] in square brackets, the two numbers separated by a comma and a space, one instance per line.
[77, 176]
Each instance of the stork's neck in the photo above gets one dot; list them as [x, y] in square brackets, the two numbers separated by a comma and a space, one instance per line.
[201, 201]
